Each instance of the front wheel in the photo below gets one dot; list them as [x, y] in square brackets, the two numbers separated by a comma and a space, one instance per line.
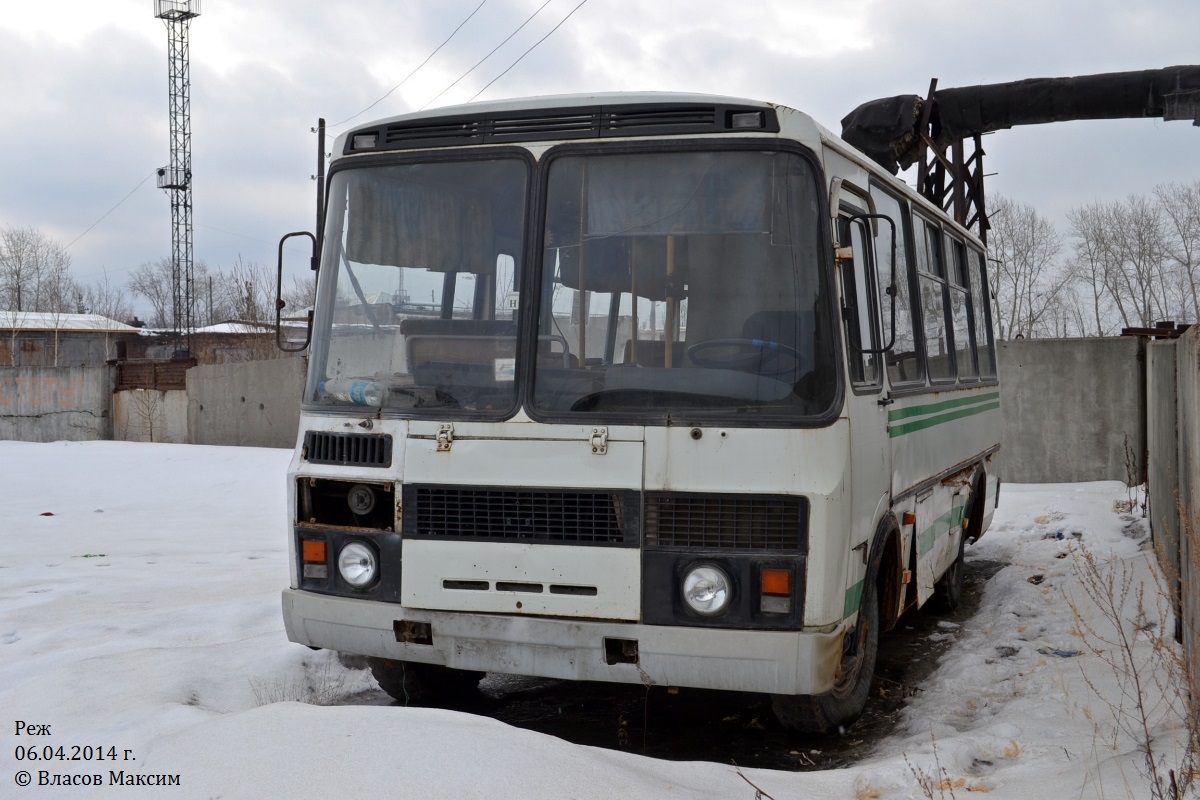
[838, 708]
[416, 684]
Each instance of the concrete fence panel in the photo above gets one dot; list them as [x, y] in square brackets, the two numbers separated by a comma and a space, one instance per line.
[150, 415]
[253, 403]
[1074, 410]
[47, 404]
[1187, 376]
[1162, 456]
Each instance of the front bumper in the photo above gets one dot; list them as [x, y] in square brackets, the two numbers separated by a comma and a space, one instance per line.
[776, 662]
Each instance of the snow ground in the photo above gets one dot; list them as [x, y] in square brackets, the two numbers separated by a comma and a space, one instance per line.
[139, 610]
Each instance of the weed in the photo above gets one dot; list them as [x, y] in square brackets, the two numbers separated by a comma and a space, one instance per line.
[938, 780]
[1156, 686]
[321, 685]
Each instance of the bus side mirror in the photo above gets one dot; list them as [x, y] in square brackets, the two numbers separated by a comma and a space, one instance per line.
[280, 304]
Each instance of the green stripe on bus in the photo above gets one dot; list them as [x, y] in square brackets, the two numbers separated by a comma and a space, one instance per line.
[945, 405]
[929, 422]
[925, 542]
[853, 599]
[942, 524]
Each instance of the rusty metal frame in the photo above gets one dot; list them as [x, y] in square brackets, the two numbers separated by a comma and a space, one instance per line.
[954, 181]
[153, 373]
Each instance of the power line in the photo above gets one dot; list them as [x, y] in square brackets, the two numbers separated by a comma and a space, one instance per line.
[489, 55]
[414, 72]
[111, 210]
[527, 52]
[238, 235]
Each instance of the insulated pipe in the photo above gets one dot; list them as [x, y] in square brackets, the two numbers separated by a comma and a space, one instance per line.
[887, 129]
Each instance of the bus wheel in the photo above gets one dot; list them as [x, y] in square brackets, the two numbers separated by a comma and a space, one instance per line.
[843, 704]
[949, 588]
[411, 683]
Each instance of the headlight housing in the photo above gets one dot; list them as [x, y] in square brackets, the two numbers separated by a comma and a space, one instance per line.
[361, 499]
[358, 565]
[707, 590]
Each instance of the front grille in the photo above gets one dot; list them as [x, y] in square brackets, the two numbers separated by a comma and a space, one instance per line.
[356, 449]
[562, 516]
[544, 126]
[726, 521]
[420, 134]
[702, 119]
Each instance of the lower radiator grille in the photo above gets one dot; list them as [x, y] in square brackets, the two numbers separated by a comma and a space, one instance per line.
[561, 516]
[726, 521]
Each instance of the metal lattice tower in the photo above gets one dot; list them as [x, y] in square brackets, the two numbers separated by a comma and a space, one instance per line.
[176, 178]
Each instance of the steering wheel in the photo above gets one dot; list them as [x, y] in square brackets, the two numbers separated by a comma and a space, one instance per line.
[746, 355]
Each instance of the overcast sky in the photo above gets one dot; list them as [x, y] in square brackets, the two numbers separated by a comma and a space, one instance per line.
[83, 93]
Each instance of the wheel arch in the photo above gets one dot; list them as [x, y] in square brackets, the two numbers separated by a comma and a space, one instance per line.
[973, 530]
[885, 567]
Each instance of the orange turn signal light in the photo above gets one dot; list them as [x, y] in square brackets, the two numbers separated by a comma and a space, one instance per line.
[776, 581]
[313, 550]
[909, 518]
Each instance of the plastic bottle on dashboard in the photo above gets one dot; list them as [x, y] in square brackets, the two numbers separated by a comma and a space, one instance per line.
[363, 393]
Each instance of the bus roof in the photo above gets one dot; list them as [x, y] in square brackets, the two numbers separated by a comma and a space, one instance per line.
[574, 116]
[571, 101]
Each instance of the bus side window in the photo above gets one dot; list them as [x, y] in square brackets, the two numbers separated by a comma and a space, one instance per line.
[985, 346]
[931, 276]
[861, 309]
[904, 365]
[961, 312]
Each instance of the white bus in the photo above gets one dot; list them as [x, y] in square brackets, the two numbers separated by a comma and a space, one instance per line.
[645, 388]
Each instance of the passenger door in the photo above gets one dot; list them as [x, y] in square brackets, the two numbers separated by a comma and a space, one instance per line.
[863, 334]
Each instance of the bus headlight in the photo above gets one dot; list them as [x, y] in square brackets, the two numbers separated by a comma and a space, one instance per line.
[706, 590]
[358, 565]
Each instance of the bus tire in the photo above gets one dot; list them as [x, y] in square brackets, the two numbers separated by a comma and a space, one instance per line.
[411, 683]
[838, 708]
[949, 587]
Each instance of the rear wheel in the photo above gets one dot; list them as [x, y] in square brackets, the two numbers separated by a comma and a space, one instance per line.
[950, 587]
[844, 703]
[424, 684]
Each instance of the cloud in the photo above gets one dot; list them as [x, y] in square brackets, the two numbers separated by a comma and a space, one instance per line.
[84, 88]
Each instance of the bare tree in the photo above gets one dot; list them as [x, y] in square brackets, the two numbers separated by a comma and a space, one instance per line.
[302, 295]
[1134, 243]
[247, 291]
[35, 272]
[1137, 259]
[1180, 205]
[1027, 280]
[1089, 265]
[10, 318]
[154, 281]
[103, 298]
[109, 301]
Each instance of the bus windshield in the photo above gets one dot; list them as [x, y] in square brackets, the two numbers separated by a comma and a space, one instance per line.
[417, 308]
[669, 284]
[683, 282]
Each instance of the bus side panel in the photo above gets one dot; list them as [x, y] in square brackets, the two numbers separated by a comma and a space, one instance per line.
[943, 436]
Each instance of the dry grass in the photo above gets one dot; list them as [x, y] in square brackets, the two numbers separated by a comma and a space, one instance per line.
[1156, 697]
[321, 685]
